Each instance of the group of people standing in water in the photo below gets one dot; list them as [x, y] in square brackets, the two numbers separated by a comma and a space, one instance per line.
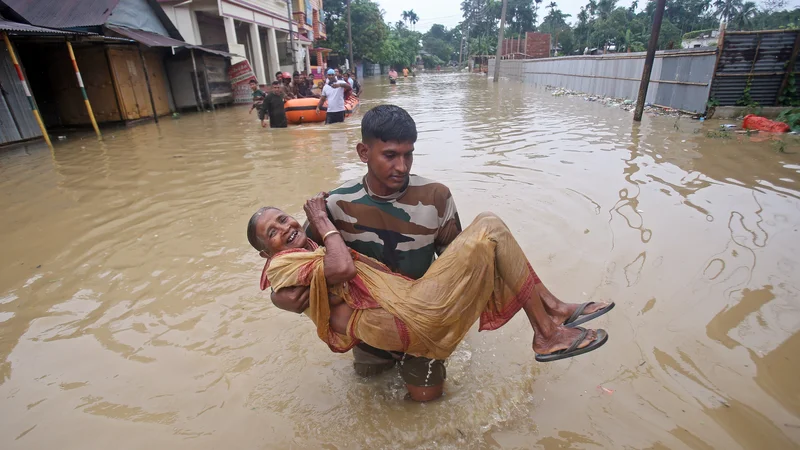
[393, 74]
[384, 269]
[270, 107]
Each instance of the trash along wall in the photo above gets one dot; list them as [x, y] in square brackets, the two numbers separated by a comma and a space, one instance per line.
[681, 79]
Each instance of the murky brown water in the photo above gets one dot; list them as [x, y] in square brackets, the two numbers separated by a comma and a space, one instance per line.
[130, 314]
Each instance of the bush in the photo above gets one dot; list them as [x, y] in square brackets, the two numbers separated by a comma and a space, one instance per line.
[791, 117]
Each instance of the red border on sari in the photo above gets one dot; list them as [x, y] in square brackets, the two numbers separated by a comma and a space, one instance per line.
[492, 321]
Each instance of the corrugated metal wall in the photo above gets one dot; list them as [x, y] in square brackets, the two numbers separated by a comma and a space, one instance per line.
[756, 57]
[680, 79]
[16, 119]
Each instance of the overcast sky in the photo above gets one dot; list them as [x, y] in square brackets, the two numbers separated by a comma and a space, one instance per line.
[448, 12]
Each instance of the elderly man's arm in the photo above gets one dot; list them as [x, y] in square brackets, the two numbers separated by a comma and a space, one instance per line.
[338, 262]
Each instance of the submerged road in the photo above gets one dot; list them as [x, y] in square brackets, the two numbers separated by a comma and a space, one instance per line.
[130, 314]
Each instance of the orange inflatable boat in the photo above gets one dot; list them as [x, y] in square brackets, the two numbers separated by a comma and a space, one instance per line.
[303, 110]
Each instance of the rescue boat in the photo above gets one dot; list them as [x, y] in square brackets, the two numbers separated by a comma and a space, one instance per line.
[303, 110]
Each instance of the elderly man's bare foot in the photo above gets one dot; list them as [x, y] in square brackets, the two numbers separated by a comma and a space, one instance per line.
[562, 339]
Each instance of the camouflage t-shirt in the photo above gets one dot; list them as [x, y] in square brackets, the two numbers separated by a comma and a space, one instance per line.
[404, 231]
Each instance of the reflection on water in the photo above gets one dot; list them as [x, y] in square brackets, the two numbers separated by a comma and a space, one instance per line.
[130, 312]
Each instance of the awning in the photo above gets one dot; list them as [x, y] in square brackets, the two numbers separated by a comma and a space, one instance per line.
[156, 40]
[21, 28]
[301, 38]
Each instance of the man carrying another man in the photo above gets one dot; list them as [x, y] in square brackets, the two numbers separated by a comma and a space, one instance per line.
[334, 92]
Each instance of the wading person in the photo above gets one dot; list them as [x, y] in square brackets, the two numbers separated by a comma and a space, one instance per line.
[258, 96]
[334, 92]
[272, 111]
[404, 221]
[392, 76]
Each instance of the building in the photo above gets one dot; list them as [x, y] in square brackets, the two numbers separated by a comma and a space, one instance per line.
[696, 39]
[122, 50]
[258, 30]
[534, 45]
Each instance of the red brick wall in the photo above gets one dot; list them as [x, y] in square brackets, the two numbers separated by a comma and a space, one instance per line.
[538, 45]
[534, 45]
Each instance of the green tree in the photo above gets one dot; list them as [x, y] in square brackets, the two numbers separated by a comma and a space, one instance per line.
[368, 28]
[727, 9]
[555, 24]
[439, 42]
[413, 18]
[745, 15]
[521, 16]
[334, 11]
[400, 48]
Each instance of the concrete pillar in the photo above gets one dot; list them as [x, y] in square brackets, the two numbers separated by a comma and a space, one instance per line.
[308, 59]
[195, 26]
[233, 45]
[272, 50]
[258, 60]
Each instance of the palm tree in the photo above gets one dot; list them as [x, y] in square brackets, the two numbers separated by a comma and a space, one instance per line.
[605, 7]
[413, 18]
[727, 9]
[405, 15]
[744, 17]
[592, 8]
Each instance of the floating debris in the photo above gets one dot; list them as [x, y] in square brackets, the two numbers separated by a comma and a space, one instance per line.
[605, 390]
[621, 103]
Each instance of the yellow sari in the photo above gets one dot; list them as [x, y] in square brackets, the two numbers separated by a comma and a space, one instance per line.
[483, 275]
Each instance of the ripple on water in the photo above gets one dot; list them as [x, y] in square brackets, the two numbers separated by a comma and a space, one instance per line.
[129, 298]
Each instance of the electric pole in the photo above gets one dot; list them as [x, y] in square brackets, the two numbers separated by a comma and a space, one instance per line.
[350, 39]
[500, 41]
[648, 60]
[291, 35]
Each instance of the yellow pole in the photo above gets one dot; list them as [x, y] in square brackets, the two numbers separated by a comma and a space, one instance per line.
[25, 88]
[83, 89]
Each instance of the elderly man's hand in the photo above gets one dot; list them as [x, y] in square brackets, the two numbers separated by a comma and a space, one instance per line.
[294, 299]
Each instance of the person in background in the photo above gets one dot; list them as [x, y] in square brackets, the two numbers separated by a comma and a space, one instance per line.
[301, 88]
[338, 73]
[356, 85]
[279, 76]
[316, 88]
[272, 108]
[288, 89]
[405, 72]
[334, 92]
[392, 76]
[351, 79]
[258, 95]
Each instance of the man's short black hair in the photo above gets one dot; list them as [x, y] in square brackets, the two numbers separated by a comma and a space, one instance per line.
[388, 123]
[253, 82]
[296, 73]
[276, 83]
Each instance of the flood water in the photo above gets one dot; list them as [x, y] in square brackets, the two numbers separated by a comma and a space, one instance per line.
[130, 313]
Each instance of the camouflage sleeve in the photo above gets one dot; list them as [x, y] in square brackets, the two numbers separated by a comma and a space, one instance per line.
[449, 224]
